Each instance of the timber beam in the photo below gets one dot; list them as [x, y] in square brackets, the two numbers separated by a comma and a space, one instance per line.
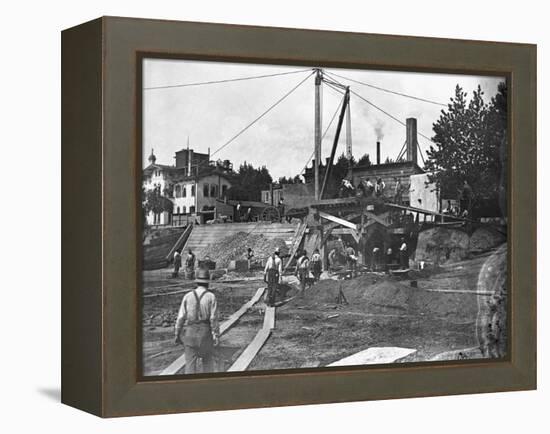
[338, 220]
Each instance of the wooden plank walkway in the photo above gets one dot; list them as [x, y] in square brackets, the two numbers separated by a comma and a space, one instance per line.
[246, 357]
[179, 363]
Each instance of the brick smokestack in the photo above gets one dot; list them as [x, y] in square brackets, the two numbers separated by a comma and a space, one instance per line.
[412, 141]
[377, 152]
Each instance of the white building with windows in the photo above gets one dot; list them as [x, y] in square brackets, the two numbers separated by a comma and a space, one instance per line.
[192, 186]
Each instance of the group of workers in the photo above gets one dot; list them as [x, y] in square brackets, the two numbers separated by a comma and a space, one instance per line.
[241, 215]
[198, 318]
[376, 259]
[367, 188]
[189, 262]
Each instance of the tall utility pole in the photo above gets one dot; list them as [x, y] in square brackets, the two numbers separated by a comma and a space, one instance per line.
[317, 139]
[345, 106]
[349, 152]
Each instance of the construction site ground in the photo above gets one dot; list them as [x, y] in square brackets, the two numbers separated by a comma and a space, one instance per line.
[437, 316]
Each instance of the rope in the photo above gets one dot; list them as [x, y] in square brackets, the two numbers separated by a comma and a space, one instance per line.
[260, 116]
[171, 86]
[334, 88]
[388, 90]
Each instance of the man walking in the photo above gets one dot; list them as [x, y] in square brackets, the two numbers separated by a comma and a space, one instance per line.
[272, 276]
[389, 259]
[238, 212]
[316, 265]
[190, 263]
[375, 259]
[332, 258]
[379, 187]
[177, 263]
[404, 254]
[198, 313]
[351, 259]
[302, 271]
[466, 199]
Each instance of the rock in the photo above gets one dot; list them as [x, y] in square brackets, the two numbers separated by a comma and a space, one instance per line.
[485, 238]
[442, 245]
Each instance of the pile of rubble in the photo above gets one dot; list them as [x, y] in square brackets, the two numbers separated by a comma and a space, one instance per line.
[163, 319]
[235, 247]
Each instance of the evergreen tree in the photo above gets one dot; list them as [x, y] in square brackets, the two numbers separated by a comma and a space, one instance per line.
[468, 144]
[364, 160]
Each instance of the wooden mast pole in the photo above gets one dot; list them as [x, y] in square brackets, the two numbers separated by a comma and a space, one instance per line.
[317, 139]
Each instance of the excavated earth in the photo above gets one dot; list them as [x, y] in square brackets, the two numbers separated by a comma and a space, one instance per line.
[437, 318]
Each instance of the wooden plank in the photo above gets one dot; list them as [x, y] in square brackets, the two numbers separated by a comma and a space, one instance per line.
[250, 352]
[333, 225]
[297, 241]
[338, 201]
[246, 357]
[179, 363]
[338, 220]
[374, 356]
[428, 212]
[269, 318]
[227, 324]
[184, 237]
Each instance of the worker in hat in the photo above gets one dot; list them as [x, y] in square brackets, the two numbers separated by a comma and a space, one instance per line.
[272, 275]
[302, 271]
[316, 265]
[198, 315]
[404, 254]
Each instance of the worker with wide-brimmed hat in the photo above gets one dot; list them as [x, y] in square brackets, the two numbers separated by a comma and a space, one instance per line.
[198, 315]
[272, 275]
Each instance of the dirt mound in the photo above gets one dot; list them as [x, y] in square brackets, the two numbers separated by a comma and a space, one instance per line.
[484, 239]
[442, 245]
[387, 296]
[235, 247]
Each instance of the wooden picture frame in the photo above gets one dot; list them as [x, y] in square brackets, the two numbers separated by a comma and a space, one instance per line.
[101, 169]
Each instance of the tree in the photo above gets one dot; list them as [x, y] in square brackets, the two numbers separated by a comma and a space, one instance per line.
[249, 183]
[364, 160]
[153, 201]
[468, 143]
[290, 180]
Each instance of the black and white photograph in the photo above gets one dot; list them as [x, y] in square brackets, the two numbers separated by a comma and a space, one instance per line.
[314, 217]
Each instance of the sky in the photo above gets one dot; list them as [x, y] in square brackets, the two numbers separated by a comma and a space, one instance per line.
[210, 115]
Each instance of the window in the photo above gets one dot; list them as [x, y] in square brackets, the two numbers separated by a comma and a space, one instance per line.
[178, 210]
[183, 210]
[213, 190]
[191, 210]
[224, 190]
[177, 191]
[193, 190]
[184, 191]
[205, 190]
